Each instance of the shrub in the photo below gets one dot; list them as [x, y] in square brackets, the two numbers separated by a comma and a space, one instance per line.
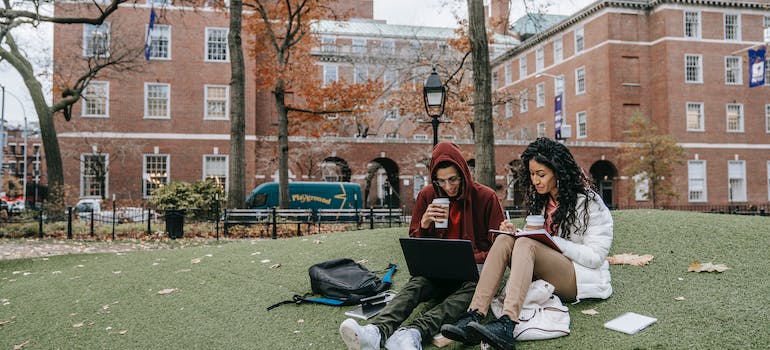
[201, 199]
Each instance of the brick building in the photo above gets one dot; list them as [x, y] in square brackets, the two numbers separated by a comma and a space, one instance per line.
[169, 120]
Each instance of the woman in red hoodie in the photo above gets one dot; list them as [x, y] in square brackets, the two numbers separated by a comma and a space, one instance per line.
[473, 210]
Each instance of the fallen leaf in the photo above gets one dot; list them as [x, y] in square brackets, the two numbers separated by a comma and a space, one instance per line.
[77, 325]
[362, 261]
[123, 332]
[18, 347]
[209, 255]
[300, 321]
[317, 241]
[195, 261]
[275, 266]
[116, 272]
[590, 312]
[265, 261]
[12, 320]
[697, 266]
[630, 259]
[679, 299]
[106, 307]
[167, 291]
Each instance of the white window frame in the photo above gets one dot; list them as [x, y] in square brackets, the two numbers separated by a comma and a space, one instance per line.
[768, 180]
[87, 181]
[693, 180]
[559, 87]
[89, 30]
[96, 95]
[736, 173]
[698, 66]
[541, 129]
[392, 114]
[330, 74]
[580, 81]
[159, 33]
[581, 124]
[360, 73]
[388, 47]
[767, 118]
[540, 92]
[215, 47]
[508, 74]
[328, 44]
[421, 137]
[641, 187]
[539, 59]
[209, 172]
[735, 28]
[580, 40]
[389, 79]
[358, 45]
[695, 27]
[740, 120]
[522, 67]
[508, 109]
[207, 100]
[733, 70]
[558, 50]
[766, 33]
[147, 87]
[523, 101]
[155, 179]
[700, 117]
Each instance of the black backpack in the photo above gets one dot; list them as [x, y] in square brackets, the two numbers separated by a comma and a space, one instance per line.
[342, 282]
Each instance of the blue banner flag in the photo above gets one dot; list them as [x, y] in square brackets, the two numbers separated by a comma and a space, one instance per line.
[757, 67]
[147, 41]
[557, 116]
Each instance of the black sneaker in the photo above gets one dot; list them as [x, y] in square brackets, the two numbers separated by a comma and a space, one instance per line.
[498, 333]
[459, 330]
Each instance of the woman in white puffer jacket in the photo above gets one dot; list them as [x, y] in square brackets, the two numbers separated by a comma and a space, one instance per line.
[579, 223]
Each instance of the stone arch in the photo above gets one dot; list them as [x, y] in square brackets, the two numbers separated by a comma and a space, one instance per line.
[382, 187]
[604, 174]
[335, 169]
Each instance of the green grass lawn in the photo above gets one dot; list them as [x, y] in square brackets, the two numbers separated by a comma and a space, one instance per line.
[111, 301]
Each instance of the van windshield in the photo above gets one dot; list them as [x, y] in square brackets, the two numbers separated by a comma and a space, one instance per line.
[259, 200]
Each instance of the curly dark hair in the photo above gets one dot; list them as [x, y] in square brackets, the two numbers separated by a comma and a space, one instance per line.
[570, 181]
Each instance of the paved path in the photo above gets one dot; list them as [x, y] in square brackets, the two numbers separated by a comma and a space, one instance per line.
[33, 248]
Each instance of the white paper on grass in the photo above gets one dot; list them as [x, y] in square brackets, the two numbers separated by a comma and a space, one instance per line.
[630, 323]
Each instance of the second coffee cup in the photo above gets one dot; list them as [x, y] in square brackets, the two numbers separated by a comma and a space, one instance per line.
[445, 203]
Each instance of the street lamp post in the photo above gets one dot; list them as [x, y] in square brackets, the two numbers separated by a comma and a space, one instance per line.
[434, 95]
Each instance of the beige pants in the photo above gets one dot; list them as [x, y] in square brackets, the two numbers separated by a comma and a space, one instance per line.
[529, 260]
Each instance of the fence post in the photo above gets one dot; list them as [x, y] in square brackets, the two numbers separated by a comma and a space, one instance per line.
[275, 224]
[92, 222]
[69, 222]
[371, 218]
[217, 223]
[113, 216]
[149, 218]
[40, 222]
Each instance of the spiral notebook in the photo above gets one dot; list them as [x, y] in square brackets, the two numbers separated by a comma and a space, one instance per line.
[630, 323]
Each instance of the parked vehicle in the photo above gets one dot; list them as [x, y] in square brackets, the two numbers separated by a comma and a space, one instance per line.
[85, 206]
[309, 195]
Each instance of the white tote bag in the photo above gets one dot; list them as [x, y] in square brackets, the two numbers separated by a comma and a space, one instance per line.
[542, 315]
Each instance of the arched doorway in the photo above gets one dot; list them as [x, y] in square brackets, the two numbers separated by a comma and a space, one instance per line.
[603, 174]
[334, 169]
[382, 188]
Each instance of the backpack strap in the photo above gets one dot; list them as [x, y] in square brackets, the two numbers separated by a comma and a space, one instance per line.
[301, 299]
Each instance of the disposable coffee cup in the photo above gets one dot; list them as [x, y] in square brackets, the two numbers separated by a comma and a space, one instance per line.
[534, 222]
[445, 203]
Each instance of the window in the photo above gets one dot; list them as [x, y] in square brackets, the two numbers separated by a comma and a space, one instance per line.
[732, 27]
[767, 118]
[733, 74]
[641, 187]
[558, 86]
[392, 114]
[767, 31]
[160, 42]
[217, 102]
[582, 129]
[510, 179]
[93, 175]
[692, 24]
[389, 77]
[734, 117]
[216, 45]
[388, 47]
[522, 67]
[558, 50]
[694, 116]
[541, 129]
[157, 102]
[419, 182]
[693, 71]
[215, 168]
[767, 71]
[579, 40]
[523, 101]
[328, 44]
[494, 81]
[415, 46]
[420, 136]
[768, 180]
[736, 175]
[696, 181]
[96, 99]
[508, 74]
[539, 59]
[580, 81]
[391, 135]
[360, 74]
[508, 109]
[359, 45]
[96, 40]
[156, 174]
[540, 91]
[330, 74]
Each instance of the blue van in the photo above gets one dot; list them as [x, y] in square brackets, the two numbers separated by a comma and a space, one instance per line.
[308, 195]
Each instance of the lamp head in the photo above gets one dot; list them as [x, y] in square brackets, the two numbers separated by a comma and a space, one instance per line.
[434, 94]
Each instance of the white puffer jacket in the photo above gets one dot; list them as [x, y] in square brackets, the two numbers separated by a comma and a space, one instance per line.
[588, 251]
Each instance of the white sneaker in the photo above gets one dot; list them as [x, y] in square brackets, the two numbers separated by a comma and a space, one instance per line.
[405, 339]
[360, 338]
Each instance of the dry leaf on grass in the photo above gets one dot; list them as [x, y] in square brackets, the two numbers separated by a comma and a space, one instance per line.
[195, 261]
[3, 323]
[697, 266]
[590, 312]
[77, 325]
[18, 347]
[679, 299]
[275, 266]
[630, 259]
[167, 291]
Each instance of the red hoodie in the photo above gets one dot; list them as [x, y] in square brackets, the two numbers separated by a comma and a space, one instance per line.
[478, 204]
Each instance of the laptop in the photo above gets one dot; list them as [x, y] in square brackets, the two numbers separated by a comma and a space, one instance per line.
[436, 258]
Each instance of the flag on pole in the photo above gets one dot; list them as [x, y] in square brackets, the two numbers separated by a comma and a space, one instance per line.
[757, 67]
[557, 116]
[147, 42]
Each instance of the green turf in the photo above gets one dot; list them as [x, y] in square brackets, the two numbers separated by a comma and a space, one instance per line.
[87, 301]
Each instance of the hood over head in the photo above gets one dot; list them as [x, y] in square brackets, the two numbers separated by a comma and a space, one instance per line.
[449, 152]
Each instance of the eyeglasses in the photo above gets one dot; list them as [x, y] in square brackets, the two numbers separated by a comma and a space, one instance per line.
[452, 181]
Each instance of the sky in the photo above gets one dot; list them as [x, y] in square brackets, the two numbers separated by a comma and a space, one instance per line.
[438, 13]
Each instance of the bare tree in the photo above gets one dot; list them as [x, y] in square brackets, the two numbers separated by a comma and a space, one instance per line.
[236, 195]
